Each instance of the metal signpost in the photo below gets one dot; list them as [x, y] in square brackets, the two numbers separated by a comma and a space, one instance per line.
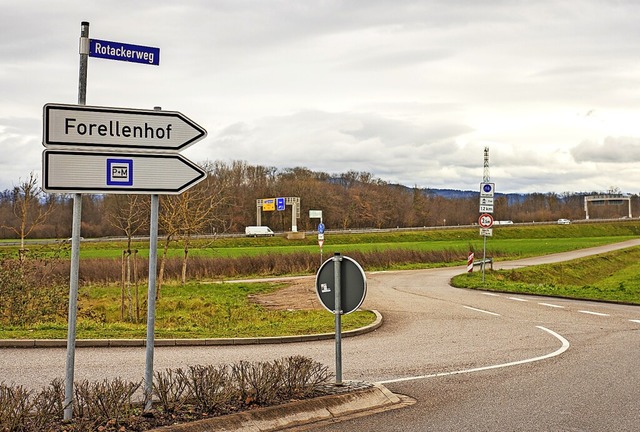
[317, 214]
[75, 243]
[75, 161]
[486, 219]
[341, 286]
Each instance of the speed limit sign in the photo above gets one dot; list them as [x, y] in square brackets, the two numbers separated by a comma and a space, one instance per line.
[485, 220]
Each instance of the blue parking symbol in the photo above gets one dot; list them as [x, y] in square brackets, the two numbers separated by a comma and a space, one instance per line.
[119, 172]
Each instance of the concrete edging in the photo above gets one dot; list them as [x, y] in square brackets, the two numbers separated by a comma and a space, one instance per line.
[320, 409]
[113, 343]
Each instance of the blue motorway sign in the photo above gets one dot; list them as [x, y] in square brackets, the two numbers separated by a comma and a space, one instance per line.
[280, 204]
[124, 52]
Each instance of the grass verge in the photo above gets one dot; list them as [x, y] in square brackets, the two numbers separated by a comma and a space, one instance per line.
[610, 277]
[193, 310]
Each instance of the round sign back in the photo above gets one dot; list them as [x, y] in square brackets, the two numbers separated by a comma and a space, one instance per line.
[353, 285]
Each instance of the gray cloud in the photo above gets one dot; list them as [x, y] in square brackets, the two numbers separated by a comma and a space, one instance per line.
[611, 150]
[409, 90]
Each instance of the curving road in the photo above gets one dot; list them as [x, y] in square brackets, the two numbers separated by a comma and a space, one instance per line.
[473, 361]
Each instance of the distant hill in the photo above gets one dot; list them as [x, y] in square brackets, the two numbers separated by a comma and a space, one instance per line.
[512, 198]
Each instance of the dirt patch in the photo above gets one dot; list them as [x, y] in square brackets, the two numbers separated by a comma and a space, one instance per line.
[297, 295]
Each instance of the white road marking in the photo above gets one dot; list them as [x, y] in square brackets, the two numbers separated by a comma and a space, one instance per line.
[593, 313]
[635, 321]
[491, 294]
[517, 299]
[480, 310]
[565, 346]
[551, 305]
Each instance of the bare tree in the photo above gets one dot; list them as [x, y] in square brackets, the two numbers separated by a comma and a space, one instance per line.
[186, 215]
[30, 209]
[128, 213]
[170, 226]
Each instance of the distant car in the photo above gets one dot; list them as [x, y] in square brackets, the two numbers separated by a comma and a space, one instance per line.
[70, 239]
[258, 231]
[564, 221]
[503, 222]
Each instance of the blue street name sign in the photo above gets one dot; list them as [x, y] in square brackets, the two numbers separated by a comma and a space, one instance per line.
[124, 52]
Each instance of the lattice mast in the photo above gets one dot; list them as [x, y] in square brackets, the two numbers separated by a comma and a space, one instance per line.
[485, 173]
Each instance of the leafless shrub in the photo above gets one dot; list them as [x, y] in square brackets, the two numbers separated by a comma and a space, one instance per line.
[15, 408]
[210, 387]
[171, 389]
[301, 376]
[48, 406]
[103, 401]
[258, 382]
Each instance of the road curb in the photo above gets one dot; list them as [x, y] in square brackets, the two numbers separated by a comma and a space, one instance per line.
[374, 398]
[119, 343]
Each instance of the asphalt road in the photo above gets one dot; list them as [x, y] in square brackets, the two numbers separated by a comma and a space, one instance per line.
[474, 361]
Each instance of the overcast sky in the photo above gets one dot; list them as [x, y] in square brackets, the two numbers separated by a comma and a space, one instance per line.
[410, 91]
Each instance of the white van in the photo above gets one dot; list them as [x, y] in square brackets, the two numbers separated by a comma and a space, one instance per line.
[257, 231]
[503, 222]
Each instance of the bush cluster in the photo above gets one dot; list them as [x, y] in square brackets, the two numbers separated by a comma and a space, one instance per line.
[180, 395]
[108, 270]
[31, 290]
[221, 389]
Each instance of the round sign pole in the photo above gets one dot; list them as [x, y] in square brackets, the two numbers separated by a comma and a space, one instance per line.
[321, 238]
[484, 256]
[485, 221]
[341, 286]
[337, 259]
[321, 243]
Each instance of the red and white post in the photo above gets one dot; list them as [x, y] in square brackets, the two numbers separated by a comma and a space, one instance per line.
[470, 263]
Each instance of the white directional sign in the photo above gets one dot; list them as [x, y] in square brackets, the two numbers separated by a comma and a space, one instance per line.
[82, 126]
[131, 173]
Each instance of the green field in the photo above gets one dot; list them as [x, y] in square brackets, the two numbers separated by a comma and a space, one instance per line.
[512, 241]
[202, 310]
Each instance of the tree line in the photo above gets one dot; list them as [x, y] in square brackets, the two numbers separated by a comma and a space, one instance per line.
[226, 203]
